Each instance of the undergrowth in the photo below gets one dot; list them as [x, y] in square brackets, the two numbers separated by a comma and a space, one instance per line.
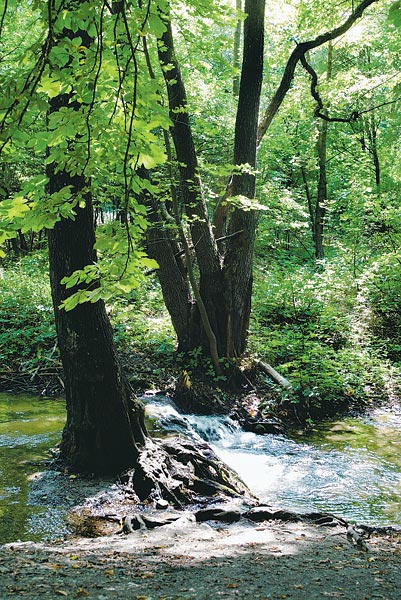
[309, 325]
[334, 336]
[27, 329]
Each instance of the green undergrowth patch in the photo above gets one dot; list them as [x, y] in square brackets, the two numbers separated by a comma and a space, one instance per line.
[382, 285]
[142, 328]
[335, 337]
[141, 321]
[308, 325]
[27, 329]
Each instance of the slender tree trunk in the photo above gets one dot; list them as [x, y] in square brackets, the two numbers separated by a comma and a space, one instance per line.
[224, 291]
[191, 198]
[172, 276]
[371, 133]
[236, 51]
[321, 196]
[238, 263]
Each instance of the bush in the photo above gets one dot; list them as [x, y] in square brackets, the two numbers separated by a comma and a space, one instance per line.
[27, 329]
[304, 325]
[382, 288]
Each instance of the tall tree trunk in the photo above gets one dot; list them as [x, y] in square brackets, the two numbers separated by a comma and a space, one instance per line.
[104, 423]
[193, 203]
[371, 128]
[321, 196]
[225, 282]
[172, 276]
[238, 263]
[236, 50]
[224, 292]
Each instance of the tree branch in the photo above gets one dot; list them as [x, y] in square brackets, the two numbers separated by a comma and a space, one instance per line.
[299, 51]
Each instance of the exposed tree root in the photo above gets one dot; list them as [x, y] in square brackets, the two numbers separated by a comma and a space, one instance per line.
[182, 472]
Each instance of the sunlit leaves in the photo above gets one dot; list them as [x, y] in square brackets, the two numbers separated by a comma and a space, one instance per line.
[14, 208]
[120, 270]
[244, 203]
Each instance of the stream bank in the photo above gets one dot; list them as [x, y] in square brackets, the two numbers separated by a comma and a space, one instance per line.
[183, 560]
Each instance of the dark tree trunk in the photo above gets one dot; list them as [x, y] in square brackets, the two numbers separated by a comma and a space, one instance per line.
[321, 198]
[238, 264]
[172, 276]
[104, 423]
[224, 289]
[192, 201]
[371, 128]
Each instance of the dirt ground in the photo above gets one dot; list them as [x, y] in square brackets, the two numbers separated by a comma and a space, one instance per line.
[186, 560]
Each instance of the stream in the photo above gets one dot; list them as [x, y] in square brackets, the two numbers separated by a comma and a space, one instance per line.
[350, 467]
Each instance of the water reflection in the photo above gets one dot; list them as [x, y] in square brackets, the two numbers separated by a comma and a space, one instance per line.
[28, 428]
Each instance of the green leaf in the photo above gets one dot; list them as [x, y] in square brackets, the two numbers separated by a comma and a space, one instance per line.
[394, 14]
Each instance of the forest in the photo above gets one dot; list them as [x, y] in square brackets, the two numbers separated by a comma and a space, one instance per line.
[198, 197]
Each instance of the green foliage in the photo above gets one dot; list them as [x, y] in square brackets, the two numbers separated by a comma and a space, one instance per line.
[305, 318]
[141, 323]
[27, 330]
[306, 325]
[382, 289]
[196, 361]
[119, 270]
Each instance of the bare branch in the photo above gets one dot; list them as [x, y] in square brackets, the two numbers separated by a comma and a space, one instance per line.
[299, 51]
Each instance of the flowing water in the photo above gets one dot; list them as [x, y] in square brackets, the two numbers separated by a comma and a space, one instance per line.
[350, 467]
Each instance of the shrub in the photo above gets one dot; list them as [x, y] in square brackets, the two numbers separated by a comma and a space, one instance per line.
[27, 330]
[382, 289]
[304, 325]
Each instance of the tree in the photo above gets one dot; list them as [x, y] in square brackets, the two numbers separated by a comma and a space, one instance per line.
[223, 247]
[219, 321]
[105, 430]
[104, 424]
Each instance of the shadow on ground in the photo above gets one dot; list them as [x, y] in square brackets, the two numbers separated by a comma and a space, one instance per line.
[185, 560]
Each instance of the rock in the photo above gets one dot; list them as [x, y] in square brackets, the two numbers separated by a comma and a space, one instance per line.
[262, 426]
[162, 504]
[265, 513]
[151, 522]
[217, 514]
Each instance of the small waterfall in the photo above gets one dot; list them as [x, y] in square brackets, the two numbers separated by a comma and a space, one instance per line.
[296, 475]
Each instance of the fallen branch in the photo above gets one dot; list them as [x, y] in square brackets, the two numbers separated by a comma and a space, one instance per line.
[268, 369]
[40, 366]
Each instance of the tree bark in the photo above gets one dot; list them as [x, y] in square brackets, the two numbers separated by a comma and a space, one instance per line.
[104, 424]
[192, 200]
[224, 289]
[321, 198]
[172, 277]
[238, 263]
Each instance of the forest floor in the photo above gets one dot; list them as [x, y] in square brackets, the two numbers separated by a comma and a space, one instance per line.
[198, 561]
